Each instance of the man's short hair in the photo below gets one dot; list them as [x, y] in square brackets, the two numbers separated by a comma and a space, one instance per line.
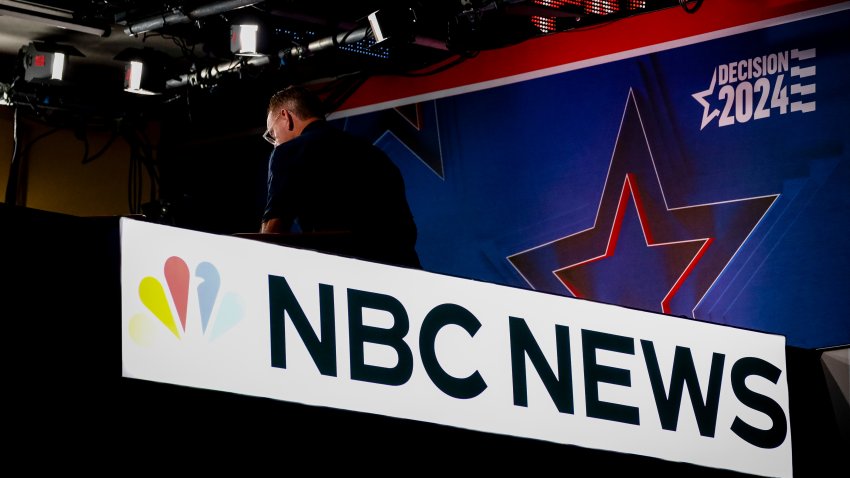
[299, 100]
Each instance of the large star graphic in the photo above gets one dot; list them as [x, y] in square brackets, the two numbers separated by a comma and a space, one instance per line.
[641, 252]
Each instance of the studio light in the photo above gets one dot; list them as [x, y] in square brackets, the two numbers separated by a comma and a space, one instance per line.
[45, 62]
[391, 24]
[133, 72]
[144, 71]
[143, 78]
[244, 40]
[379, 26]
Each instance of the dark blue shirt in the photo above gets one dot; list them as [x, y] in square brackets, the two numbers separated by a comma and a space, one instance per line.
[330, 181]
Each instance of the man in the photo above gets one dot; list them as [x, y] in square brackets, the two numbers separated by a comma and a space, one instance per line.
[323, 180]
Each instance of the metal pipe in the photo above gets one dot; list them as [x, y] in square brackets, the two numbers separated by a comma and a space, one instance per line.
[344, 38]
[204, 74]
[297, 52]
[417, 40]
[59, 21]
[180, 17]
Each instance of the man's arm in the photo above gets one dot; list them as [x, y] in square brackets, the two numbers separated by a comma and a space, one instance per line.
[282, 192]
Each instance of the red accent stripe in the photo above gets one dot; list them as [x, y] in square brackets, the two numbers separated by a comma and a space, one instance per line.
[571, 288]
[644, 222]
[568, 47]
[618, 218]
[665, 303]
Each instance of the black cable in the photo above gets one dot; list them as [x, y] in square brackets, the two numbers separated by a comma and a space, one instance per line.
[12, 183]
[141, 160]
[366, 35]
[12, 187]
[85, 140]
[140, 178]
[189, 104]
[342, 90]
[340, 93]
[188, 51]
[149, 163]
[132, 177]
[461, 57]
[137, 179]
[130, 181]
[87, 159]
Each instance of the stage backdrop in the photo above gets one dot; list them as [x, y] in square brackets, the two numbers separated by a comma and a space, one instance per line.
[706, 178]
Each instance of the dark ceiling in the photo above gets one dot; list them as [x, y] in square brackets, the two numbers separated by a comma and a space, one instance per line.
[302, 41]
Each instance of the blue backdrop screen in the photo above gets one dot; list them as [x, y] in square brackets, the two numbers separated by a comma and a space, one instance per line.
[708, 181]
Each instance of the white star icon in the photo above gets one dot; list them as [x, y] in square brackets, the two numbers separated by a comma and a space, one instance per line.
[700, 97]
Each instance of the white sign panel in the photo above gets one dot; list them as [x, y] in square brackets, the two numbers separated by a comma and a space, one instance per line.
[243, 316]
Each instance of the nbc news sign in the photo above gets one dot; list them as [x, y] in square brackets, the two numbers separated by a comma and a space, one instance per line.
[236, 315]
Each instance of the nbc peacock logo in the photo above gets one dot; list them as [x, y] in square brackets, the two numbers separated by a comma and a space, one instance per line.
[213, 314]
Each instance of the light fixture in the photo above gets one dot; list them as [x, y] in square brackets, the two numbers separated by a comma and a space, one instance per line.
[379, 27]
[58, 67]
[133, 73]
[144, 71]
[46, 62]
[392, 24]
[244, 40]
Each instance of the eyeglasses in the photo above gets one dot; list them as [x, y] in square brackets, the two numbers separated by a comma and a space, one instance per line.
[269, 136]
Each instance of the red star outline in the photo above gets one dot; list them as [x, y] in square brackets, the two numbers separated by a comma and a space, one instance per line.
[630, 189]
[666, 301]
